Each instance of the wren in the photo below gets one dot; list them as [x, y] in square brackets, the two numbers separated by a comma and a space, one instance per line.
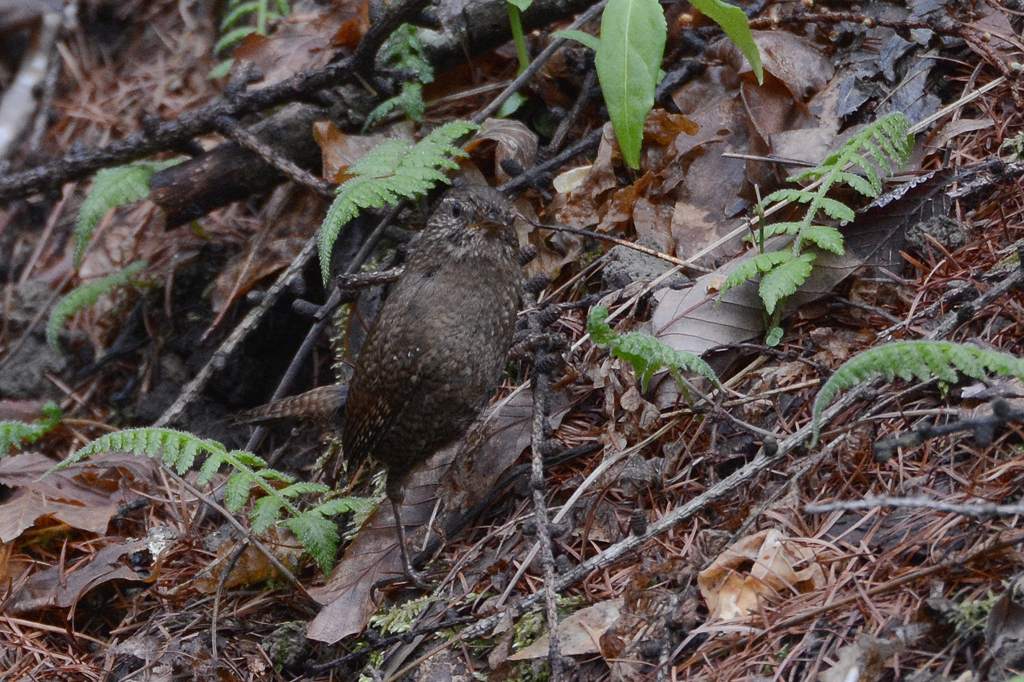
[438, 348]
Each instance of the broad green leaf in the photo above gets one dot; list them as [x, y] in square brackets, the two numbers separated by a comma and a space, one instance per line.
[511, 105]
[585, 39]
[631, 47]
[734, 22]
[521, 5]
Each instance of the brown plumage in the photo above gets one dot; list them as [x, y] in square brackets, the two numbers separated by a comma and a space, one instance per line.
[321, 405]
[438, 347]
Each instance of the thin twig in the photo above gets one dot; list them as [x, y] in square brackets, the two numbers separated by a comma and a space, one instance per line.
[538, 62]
[977, 510]
[246, 533]
[547, 357]
[237, 132]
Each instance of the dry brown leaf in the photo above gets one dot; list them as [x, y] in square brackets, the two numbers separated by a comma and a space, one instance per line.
[84, 496]
[866, 659]
[757, 568]
[513, 144]
[303, 41]
[252, 567]
[340, 149]
[799, 64]
[695, 319]
[58, 587]
[578, 634]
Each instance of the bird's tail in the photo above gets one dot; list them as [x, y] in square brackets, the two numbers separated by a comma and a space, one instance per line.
[322, 404]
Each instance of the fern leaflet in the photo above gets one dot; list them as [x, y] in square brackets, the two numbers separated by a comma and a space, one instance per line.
[914, 360]
[391, 171]
[646, 354]
[782, 281]
[113, 187]
[752, 267]
[16, 434]
[250, 475]
[85, 296]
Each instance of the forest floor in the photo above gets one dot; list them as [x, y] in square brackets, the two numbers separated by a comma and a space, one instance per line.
[697, 531]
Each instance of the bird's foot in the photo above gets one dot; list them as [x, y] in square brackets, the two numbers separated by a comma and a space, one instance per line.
[409, 576]
[418, 580]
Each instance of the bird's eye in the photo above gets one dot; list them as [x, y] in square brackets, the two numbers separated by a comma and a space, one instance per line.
[457, 210]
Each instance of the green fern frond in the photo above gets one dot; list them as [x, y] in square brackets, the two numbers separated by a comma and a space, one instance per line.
[784, 279]
[754, 266]
[404, 51]
[249, 475]
[646, 354]
[178, 449]
[391, 171]
[113, 187]
[318, 535]
[14, 435]
[824, 237]
[915, 360]
[243, 18]
[409, 100]
[84, 297]
[888, 143]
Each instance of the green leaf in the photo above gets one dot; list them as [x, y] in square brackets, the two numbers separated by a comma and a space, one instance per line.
[521, 5]
[735, 25]
[585, 39]
[210, 467]
[391, 171]
[631, 47]
[775, 229]
[773, 337]
[511, 105]
[909, 360]
[782, 281]
[303, 488]
[85, 296]
[344, 505]
[825, 238]
[237, 12]
[754, 266]
[646, 354]
[231, 37]
[265, 513]
[113, 187]
[17, 434]
[222, 69]
[236, 490]
[318, 536]
[836, 209]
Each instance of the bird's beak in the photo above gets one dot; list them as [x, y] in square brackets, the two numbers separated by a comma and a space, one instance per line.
[497, 220]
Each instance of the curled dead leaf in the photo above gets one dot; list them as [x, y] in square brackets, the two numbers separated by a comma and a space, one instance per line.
[757, 568]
